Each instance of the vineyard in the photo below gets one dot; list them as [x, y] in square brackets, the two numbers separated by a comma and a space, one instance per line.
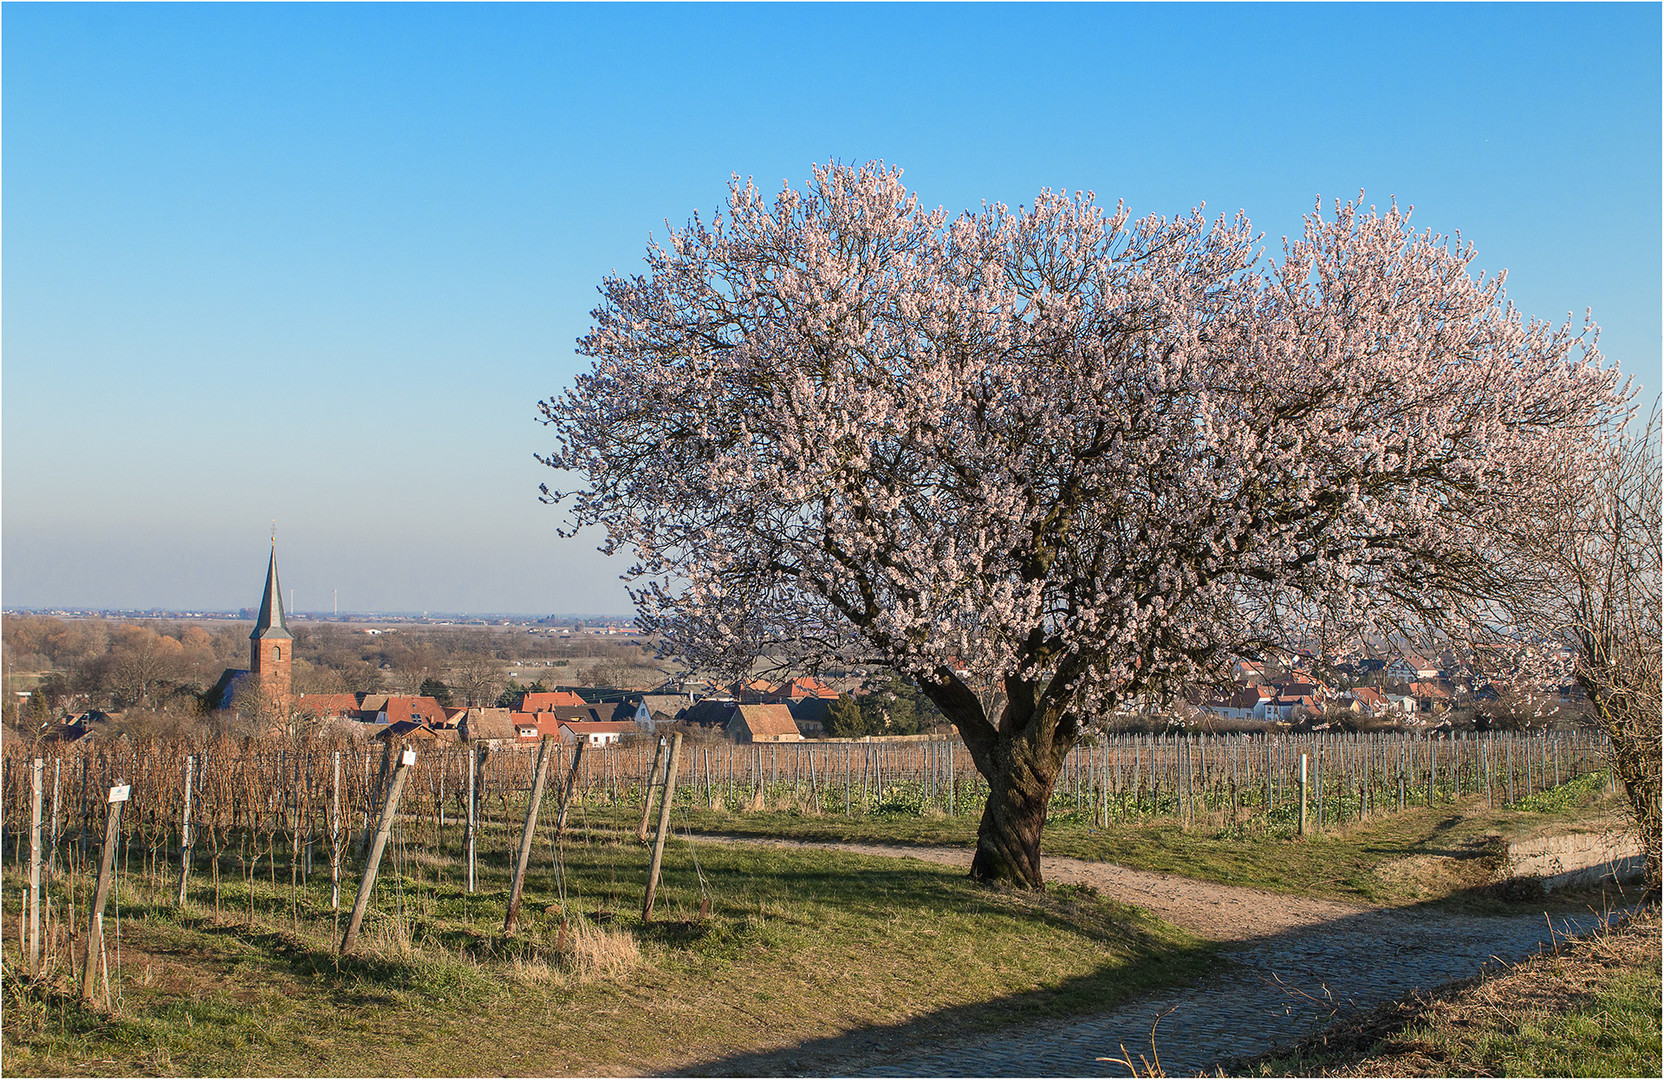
[283, 831]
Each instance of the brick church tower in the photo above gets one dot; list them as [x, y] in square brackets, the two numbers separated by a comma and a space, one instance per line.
[271, 646]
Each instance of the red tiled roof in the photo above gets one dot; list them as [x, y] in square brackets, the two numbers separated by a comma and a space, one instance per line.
[766, 720]
[797, 689]
[544, 700]
[423, 709]
[329, 704]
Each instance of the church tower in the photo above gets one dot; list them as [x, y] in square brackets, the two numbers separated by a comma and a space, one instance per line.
[271, 646]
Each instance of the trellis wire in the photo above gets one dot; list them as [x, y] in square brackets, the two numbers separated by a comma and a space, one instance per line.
[271, 802]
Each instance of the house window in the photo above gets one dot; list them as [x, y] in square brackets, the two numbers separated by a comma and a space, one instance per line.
[277, 652]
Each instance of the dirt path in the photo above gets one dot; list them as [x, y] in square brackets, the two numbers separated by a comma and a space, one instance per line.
[1296, 965]
[1217, 912]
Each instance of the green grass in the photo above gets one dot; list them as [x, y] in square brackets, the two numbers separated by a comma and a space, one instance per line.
[751, 948]
[792, 946]
[1582, 791]
[1591, 1010]
[1447, 853]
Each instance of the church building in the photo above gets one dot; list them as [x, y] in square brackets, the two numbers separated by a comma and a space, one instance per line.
[271, 656]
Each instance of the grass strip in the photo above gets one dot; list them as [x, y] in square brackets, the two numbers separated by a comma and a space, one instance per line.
[1589, 1009]
[751, 950]
[1449, 853]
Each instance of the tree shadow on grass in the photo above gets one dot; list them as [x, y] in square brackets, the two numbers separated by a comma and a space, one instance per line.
[1277, 978]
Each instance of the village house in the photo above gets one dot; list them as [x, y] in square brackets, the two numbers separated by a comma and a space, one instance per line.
[1245, 703]
[751, 691]
[1290, 708]
[545, 700]
[330, 706]
[414, 731]
[527, 729]
[1400, 704]
[1410, 667]
[597, 732]
[1430, 698]
[1363, 701]
[422, 710]
[490, 727]
[378, 709]
[762, 723]
[795, 690]
[654, 711]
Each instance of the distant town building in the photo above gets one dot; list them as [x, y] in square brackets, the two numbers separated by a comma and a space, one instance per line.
[271, 657]
[271, 646]
[762, 723]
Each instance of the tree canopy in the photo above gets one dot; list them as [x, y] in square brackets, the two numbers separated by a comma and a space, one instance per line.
[1054, 452]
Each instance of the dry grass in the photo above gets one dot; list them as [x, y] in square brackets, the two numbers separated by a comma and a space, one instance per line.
[601, 952]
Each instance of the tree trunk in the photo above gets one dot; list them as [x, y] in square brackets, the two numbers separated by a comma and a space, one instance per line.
[1008, 839]
[1021, 759]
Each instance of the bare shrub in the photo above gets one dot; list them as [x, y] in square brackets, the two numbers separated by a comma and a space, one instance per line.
[1589, 569]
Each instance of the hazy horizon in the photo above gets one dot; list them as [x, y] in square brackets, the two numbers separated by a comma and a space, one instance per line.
[248, 614]
[318, 264]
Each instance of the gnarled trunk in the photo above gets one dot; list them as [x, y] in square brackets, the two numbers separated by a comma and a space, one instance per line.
[1021, 758]
[1008, 839]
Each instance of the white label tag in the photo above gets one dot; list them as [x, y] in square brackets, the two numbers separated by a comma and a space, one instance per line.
[408, 758]
[120, 792]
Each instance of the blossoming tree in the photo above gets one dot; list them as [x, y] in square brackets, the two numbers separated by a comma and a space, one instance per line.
[1051, 460]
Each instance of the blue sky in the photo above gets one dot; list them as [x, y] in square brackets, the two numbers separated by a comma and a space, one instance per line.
[319, 263]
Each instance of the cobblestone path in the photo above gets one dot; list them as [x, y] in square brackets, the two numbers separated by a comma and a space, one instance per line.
[1274, 993]
[1296, 966]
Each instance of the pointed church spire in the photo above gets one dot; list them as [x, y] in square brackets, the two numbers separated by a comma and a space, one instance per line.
[270, 624]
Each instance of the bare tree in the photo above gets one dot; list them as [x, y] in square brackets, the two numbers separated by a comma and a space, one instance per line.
[477, 677]
[1590, 569]
[139, 663]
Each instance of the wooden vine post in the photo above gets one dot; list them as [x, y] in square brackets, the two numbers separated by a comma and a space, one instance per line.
[468, 853]
[647, 792]
[543, 754]
[389, 811]
[335, 833]
[571, 782]
[52, 847]
[34, 870]
[1302, 794]
[106, 873]
[185, 831]
[664, 827]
